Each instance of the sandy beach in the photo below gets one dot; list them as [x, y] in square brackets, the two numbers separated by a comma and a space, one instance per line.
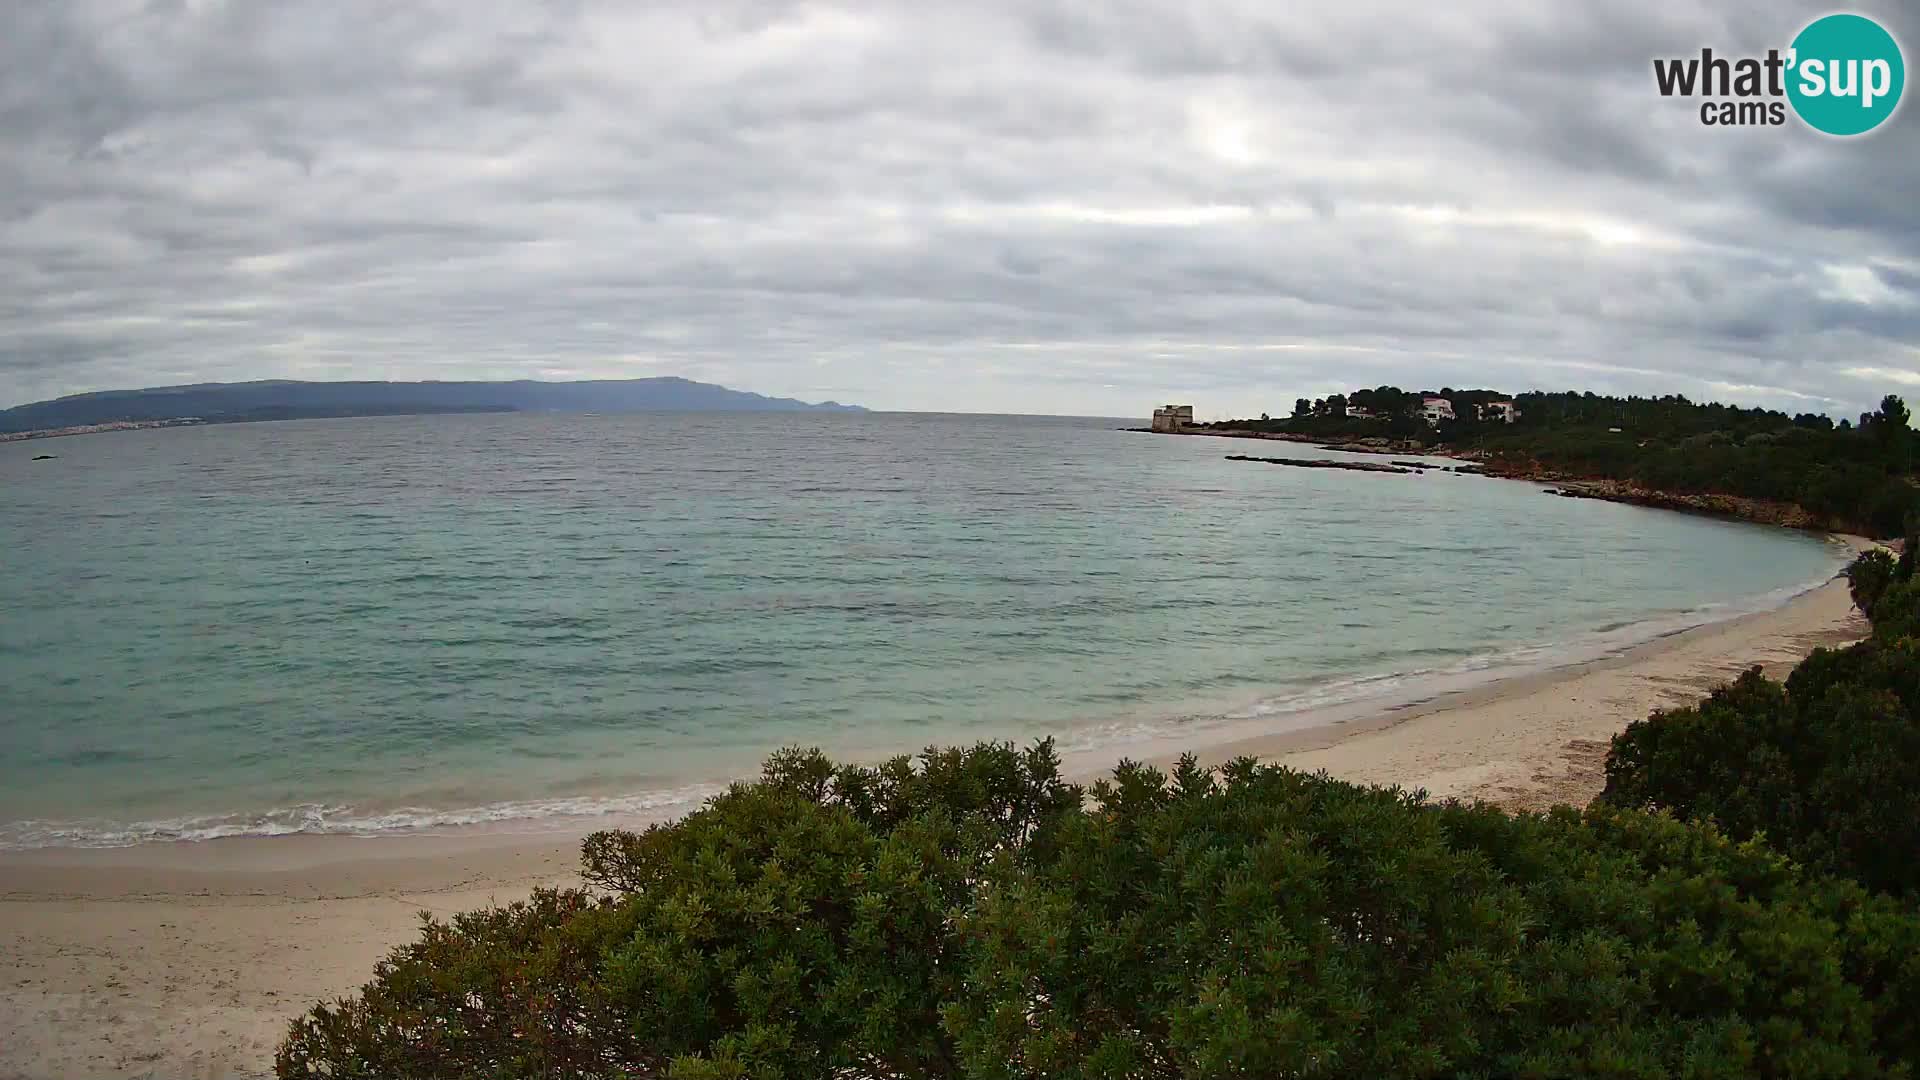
[188, 960]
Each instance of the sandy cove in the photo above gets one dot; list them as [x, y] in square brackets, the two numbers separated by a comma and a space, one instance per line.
[188, 960]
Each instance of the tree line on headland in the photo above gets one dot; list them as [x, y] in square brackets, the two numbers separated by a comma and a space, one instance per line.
[1742, 901]
[1852, 476]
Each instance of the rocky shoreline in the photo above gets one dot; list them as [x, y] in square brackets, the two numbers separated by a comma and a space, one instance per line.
[1322, 463]
[1728, 507]
[1733, 507]
[1404, 468]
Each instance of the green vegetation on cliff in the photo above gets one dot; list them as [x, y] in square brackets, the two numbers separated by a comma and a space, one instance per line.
[1858, 477]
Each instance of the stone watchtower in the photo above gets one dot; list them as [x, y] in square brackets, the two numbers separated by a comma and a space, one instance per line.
[1172, 418]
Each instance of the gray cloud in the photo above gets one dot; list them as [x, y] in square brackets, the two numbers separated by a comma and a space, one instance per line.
[1021, 205]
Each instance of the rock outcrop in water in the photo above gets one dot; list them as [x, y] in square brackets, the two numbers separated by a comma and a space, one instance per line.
[1316, 463]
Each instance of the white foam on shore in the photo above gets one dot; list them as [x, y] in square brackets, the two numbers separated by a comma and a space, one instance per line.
[1326, 702]
[1299, 708]
[324, 820]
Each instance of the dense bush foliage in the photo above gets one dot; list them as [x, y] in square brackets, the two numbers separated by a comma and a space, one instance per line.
[973, 915]
[799, 926]
[1826, 766]
[1278, 924]
[1856, 477]
[1869, 576]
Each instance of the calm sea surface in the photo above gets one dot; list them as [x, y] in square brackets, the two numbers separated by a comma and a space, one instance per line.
[366, 625]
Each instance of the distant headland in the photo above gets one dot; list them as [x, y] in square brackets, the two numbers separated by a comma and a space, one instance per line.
[281, 399]
[1804, 471]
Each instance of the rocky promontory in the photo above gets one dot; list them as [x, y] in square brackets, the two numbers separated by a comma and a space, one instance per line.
[1763, 511]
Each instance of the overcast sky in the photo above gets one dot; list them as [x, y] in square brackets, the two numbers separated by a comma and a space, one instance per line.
[1011, 206]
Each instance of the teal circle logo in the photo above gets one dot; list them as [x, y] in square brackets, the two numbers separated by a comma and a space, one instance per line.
[1846, 74]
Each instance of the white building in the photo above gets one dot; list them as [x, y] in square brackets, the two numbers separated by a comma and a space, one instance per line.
[1436, 409]
[1502, 411]
[1359, 413]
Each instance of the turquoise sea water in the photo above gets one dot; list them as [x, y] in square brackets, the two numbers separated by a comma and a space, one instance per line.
[380, 624]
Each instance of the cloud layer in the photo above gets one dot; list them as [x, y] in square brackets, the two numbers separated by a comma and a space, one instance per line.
[1014, 205]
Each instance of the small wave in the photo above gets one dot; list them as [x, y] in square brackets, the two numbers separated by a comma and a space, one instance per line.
[1308, 702]
[1316, 701]
[330, 820]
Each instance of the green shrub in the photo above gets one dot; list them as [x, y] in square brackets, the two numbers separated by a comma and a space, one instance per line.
[1826, 766]
[503, 991]
[798, 926]
[1896, 612]
[1278, 924]
[1868, 577]
[969, 916]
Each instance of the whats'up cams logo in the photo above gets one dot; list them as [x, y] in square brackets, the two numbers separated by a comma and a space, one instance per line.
[1842, 75]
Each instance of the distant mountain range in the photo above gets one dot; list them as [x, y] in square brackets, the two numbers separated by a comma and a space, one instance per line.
[288, 400]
